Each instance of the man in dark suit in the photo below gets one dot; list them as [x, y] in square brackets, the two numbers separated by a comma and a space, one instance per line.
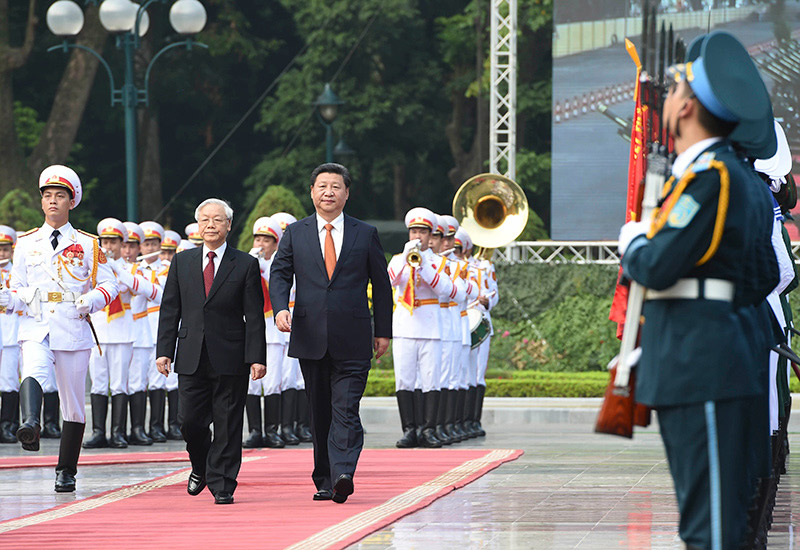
[213, 293]
[333, 257]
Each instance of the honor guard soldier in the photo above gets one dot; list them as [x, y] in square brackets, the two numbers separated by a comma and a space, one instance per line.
[294, 403]
[706, 261]
[169, 247]
[452, 332]
[469, 373]
[9, 361]
[267, 234]
[488, 298]
[418, 275]
[59, 277]
[153, 269]
[193, 234]
[185, 244]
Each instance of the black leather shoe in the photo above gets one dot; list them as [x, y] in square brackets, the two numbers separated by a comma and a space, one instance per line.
[254, 440]
[343, 488]
[223, 498]
[323, 494]
[6, 434]
[174, 433]
[272, 439]
[428, 439]
[65, 482]
[304, 434]
[157, 434]
[196, 484]
[288, 435]
[138, 437]
[409, 439]
[28, 435]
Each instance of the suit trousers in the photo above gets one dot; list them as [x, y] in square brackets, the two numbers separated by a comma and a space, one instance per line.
[205, 397]
[334, 388]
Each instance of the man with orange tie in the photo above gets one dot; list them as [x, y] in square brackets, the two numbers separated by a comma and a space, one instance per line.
[334, 257]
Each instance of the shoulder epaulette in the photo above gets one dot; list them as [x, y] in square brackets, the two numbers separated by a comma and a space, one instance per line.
[82, 232]
[28, 232]
[703, 162]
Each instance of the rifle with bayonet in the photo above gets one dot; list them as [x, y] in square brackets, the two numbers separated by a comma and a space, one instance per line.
[647, 172]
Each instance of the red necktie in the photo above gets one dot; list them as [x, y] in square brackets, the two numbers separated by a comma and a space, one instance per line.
[330, 252]
[208, 272]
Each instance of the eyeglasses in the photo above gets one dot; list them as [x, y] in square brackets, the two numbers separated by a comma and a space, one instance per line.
[206, 221]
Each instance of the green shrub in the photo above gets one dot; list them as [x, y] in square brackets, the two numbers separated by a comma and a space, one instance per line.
[275, 198]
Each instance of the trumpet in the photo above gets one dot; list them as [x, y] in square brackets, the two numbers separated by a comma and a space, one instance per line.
[414, 257]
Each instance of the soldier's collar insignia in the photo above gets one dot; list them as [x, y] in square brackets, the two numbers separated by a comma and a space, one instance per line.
[683, 212]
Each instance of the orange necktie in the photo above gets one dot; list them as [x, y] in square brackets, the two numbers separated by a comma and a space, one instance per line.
[330, 251]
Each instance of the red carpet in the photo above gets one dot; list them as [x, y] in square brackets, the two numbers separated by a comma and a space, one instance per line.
[273, 506]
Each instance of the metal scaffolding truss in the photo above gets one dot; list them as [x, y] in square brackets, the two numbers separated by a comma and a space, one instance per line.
[571, 252]
[503, 93]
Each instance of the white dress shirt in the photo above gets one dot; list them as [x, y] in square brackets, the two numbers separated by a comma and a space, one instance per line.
[337, 233]
[220, 252]
[685, 159]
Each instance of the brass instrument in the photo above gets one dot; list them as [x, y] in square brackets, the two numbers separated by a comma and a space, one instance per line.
[414, 257]
[492, 209]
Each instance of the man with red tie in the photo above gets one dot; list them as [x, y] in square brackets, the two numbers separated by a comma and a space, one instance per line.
[213, 308]
[334, 257]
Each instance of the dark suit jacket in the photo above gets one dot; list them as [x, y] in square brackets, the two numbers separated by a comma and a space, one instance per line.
[332, 315]
[231, 319]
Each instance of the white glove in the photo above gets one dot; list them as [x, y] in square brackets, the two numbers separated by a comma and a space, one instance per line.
[5, 297]
[630, 231]
[84, 305]
[255, 252]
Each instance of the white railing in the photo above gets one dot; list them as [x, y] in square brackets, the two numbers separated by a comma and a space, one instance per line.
[571, 252]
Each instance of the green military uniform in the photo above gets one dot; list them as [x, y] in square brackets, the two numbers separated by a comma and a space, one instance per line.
[708, 265]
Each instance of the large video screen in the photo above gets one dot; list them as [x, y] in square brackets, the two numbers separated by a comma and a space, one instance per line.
[592, 73]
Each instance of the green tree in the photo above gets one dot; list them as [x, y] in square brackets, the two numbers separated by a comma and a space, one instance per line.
[19, 210]
[276, 198]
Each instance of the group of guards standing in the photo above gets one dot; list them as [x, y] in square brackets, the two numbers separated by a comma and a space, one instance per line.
[439, 373]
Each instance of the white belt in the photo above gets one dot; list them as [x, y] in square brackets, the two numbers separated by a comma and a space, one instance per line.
[695, 289]
[56, 297]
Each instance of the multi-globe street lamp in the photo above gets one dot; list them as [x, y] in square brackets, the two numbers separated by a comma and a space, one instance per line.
[129, 22]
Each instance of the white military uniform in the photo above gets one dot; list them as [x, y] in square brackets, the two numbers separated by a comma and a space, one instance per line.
[9, 324]
[487, 280]
[416, 323]
[46, 283]
[172, 240]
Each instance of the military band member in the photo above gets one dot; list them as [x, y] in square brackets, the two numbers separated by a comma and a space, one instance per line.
[169, 247]
[59, 277]
[185, 244]
[153, 269]
[9, 360]
[707, 263]
[488, 298]
[266, 236]
[468, 372]
[294, 420]
[418, 275]
[193, 234]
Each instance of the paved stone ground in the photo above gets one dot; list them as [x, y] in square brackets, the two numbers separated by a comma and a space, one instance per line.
[571, 489]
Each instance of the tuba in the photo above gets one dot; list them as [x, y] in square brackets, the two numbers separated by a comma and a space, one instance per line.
[492, 209]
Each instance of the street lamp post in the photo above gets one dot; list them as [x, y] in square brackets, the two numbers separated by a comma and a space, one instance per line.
[129, 21]
[327, 108]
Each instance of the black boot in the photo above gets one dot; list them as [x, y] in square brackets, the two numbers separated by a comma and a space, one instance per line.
[253, 409]
[419, 413]
[405, 404]
[9, 411]
[174, 427]
[458, 426]
[479, 410]
[138, 403]
[158, 404]
[303, 431]
[68, 454]
[119, 421]
[51, 429]
[288, 408]
[469, 412]
[30, 401]
[99, 414]
[441, 419]
[450, 412]
[430, 402]
[272, 415]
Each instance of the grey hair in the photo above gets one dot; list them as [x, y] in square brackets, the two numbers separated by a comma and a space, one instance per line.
[218, 202]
